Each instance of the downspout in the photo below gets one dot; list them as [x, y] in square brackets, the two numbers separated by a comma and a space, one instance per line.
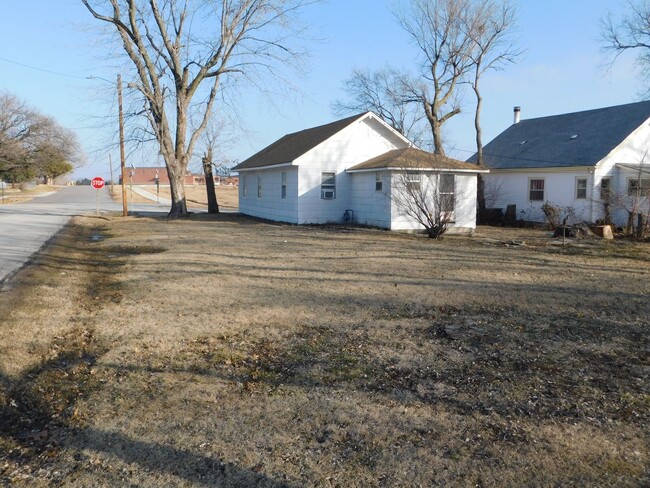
[592, 188]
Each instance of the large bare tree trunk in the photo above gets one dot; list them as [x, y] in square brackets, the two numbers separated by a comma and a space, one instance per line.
[177, 190]
[436, 128]
[213, 205]
[172, 65]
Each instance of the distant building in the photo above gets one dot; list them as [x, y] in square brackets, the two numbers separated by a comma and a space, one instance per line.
[593, 162]
[350, 171]
[146, 175]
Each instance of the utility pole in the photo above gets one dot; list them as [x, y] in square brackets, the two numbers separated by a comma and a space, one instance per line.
[125, 208]
[110, 165]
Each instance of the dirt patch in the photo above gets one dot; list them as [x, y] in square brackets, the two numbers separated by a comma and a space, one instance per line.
[224, 351]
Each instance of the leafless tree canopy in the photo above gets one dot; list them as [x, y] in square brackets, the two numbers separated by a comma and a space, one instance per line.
[458, 41]
[383, 92]
[436, 27]
[489, 26]
[631, 33]
[182, 52]
[32, 144]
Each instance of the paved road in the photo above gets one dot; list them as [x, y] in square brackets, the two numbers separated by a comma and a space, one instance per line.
[25, 227]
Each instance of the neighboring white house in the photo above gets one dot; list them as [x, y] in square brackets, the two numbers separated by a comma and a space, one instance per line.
[589, 162]
[347, 171]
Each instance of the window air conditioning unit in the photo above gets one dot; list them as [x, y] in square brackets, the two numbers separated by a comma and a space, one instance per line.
[328, 194]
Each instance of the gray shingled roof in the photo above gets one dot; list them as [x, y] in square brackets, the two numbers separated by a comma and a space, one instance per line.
[414, 158]
[292, 146]
[550, 142]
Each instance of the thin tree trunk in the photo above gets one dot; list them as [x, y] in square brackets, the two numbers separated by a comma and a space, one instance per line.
[480, 190]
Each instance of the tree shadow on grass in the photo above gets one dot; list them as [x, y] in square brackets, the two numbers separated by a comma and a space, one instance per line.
[39, 427]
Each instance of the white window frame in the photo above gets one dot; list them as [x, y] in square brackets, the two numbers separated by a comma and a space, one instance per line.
[379, 182]
[283, 190]
[531, 189]
[645, 187]
[328, 185]
[606, 193]
[413, 180]
[444, 194]
[577, 186]
[259, 186]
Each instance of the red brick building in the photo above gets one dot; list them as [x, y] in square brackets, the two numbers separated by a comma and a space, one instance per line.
[148, 175]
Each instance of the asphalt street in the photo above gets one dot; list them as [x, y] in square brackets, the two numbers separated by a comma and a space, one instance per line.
[26, 227]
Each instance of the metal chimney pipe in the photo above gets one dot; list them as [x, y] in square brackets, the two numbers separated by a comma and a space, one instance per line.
[517, 115]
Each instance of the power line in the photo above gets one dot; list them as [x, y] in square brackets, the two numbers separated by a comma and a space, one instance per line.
[42, 69]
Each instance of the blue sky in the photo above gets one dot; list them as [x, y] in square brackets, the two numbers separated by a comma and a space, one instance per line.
[562, 70]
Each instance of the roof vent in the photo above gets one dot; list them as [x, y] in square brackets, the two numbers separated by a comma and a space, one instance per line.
[517, 114]
[574, 136]
[523, 142]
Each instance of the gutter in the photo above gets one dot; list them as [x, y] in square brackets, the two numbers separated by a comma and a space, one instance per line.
[261, 168]
[428, 170]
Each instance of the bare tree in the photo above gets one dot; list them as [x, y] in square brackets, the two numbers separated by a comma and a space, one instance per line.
[206, 160]
[185, 50]
[631, 33]
[635, 198]
[32, 144]
[436, 27]
[489, 26]
[428, 198]
[383, 92]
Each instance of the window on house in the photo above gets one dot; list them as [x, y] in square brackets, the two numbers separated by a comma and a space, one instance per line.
[605, 189]
[413, 180]
[379, 184]
[259, 186]
[447, 190]
[243, 185]
[284, 184]
[536, 190]
[328, 185]
[636, 186]
[581, 188]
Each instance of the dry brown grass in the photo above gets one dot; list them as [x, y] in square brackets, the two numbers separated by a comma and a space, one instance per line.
[16, 195]
[222, 351]
[227, 196]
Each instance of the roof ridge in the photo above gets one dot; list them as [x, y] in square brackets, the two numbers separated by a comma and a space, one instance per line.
[293, 145]
[591, 110]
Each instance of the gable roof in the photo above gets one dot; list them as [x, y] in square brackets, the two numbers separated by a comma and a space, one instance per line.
[412, 158]
[292, 146]
[574, 139]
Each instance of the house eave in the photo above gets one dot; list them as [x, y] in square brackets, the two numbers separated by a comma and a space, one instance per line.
[262, 168]
[427, 170]
[552, 169]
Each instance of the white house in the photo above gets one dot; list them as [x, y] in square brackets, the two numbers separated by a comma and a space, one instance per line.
[589, 163]
[348, 171]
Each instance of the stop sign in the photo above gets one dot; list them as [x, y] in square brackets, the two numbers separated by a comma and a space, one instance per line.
[97, 182]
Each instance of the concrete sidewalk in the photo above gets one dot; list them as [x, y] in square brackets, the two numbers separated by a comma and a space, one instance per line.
[151, 196]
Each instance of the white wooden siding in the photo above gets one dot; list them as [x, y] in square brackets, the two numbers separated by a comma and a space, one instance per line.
[360, 141]
[371, 207]
[464, 212]
[271, 205]
[559, 190]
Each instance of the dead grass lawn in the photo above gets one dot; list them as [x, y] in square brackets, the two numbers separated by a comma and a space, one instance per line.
[227, 196]
[230, 352]
[16, 195]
